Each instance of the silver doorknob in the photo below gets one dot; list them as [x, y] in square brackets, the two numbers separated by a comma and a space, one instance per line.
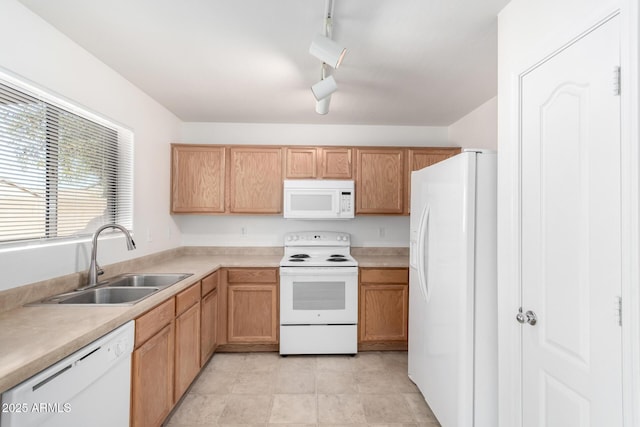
[531, 317]
[528, 317]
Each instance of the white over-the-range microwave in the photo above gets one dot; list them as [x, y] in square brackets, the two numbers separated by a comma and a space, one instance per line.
[319, 199]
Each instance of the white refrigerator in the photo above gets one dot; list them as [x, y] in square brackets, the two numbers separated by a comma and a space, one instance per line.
[453, 344]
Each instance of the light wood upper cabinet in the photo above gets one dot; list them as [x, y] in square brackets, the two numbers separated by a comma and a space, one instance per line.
[255, 180]
[197, 179]
[380, 181]
[301, 162]
[335, 163]
[318, 162]
[418, 158]
[240, 179]
[383, 309]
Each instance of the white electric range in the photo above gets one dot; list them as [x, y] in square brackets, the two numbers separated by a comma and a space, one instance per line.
[318, 294]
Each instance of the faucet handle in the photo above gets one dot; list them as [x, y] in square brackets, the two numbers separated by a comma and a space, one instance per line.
[99, 271]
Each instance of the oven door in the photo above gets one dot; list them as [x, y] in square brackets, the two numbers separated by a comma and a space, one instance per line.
[318, 295]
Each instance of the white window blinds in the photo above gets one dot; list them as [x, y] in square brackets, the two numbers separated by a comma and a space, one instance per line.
[62, 173]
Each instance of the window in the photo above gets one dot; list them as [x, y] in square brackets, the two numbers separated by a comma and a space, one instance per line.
[63, 173]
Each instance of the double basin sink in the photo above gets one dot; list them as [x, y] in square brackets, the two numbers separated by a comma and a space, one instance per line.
[126, 289]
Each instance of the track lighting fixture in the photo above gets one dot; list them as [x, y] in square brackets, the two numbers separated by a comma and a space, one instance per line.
[324, 88]
[326, 50]
[331, 54]
[322, 106]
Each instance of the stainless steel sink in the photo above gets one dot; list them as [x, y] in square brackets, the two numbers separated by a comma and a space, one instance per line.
[100, 296]
[145, 280]
[126, 289]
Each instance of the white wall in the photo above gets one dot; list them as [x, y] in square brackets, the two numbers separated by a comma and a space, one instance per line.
[34, 51]
[478, 129]
[528, 31]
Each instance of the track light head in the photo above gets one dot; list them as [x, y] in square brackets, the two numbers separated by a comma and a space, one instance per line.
[322, 106]
[327, 50]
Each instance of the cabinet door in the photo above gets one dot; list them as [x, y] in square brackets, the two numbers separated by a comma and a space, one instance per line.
[252, 313]
[187, 349]
[208, 326]
[418, 158]
[152, 379]
[380, 181]
[422, 157]
[384, 307]
[301, 162]
[197, 179]
[255, 180]
[335, 163]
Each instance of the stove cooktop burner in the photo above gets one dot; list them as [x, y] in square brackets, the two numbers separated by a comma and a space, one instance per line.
[300, 256]
[336, 256]
[337, 259]
[296, 259]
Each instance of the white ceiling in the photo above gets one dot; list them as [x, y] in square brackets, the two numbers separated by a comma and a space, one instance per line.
[409, 62]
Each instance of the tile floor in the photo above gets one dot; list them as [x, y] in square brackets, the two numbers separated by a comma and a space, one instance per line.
[265, 389]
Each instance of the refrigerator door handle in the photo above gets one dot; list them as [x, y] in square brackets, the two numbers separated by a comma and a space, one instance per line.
[423, 253]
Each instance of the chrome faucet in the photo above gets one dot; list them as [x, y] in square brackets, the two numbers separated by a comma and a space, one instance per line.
[94, 268]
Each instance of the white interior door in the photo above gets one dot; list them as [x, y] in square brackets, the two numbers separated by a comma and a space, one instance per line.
[571, 255]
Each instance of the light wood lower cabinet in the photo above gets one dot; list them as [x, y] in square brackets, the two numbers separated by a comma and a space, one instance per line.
[209, 317]
[187, 364]
[252, 307]
[152, 367]
[383, 309]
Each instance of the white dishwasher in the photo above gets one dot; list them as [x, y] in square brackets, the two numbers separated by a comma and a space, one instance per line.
[91, 387]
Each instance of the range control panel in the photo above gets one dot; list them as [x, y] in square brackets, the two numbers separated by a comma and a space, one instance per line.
[317, 238]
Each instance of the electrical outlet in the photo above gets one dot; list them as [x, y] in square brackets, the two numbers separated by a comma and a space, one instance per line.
[149, 236]
[382, 232]
[243, 231]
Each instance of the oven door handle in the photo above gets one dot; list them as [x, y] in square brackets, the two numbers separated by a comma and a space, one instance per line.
[315, 272]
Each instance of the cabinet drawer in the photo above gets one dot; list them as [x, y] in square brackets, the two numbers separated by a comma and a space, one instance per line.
[154, 320]
[209, 283]
[252, 275]
[392, 275]
[187, 298]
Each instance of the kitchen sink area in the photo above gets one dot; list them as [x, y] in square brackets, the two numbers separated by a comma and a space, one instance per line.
[124, 289]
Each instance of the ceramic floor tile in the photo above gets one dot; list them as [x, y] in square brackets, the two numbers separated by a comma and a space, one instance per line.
[294, 408]
[300, 382]
[340, 408]
[374, 382]
[386, 408]
[199, 409]
[233, 362]
[334, 364]
[368, 361]
[297, 363]
[246, 409]
[261, 362]
[266, 389]
[336, 383]
[419, 407]
[214, 382]
[254, 383]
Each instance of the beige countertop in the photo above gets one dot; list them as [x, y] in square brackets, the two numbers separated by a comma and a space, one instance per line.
[35, 337]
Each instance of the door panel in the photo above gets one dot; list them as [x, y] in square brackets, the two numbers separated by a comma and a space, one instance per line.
[571, 236]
